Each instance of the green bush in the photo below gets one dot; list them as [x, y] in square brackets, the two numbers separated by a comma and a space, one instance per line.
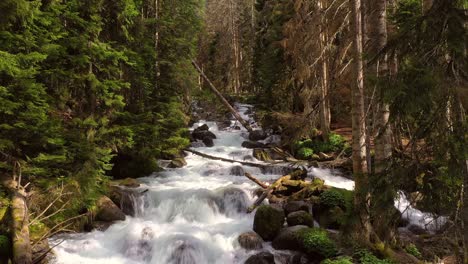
[340, 260]
[316, 241]
[366, 257]
[333, 197]
[335, 143]
[305, 153]
[413, 250]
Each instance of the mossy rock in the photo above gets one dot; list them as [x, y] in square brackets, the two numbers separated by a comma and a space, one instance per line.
[337, 197]
[130, 183]
[300, 218]
[332, 218]
[268, 221]
[5, 246]
[178, 163]
[317, 243]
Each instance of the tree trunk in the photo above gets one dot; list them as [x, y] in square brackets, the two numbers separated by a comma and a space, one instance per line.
[377, 42]
[22, 253]
[324, 87]
[223, 100]
[465, 214]
[361, 197]
[377, 32]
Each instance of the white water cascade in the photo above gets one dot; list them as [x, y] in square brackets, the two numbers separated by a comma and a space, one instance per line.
[190, 215]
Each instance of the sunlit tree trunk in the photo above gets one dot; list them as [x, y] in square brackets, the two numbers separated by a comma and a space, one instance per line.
[324, 87]
[361, 197]
[377, 30]
[377, 41]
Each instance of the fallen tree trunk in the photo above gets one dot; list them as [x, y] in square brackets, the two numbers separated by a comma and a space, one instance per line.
[221, 97]
[268, 191]
[257, 181]
[246, 163]
[22, 252]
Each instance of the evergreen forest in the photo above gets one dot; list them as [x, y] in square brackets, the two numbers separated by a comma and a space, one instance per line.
[233, 131]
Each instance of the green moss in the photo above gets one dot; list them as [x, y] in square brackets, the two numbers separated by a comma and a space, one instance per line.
[340, 260]
[268, 221]
[37, 231]
[413, 250]
[305, 153]
[334, 144]
[316, 241]
[5, 245]
[337, 197]
[332, 198]
[366, 257]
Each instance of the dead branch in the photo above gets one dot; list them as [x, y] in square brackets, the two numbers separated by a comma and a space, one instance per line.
[221, 97]
[257, 181]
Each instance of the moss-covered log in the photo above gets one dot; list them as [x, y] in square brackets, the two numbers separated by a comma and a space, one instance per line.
[22, 253]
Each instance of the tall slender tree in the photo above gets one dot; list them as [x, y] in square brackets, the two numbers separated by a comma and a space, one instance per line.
[361, 196]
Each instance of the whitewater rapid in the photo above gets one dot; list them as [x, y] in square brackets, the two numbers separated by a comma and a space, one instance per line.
[189, 215]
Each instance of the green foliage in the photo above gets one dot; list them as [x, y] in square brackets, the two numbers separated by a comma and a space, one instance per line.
[337, 197]
[340, 260]
[336, 143]
[316, 241]
[366, 257]
[332, 198]
[80, 93]
[413, 250]
[305, 153]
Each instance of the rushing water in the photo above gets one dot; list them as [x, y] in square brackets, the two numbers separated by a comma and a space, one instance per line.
[190, 215]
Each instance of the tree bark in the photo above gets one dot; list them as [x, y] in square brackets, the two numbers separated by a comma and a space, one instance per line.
[257, 181]
[324, 88]
[464, 228]
[223, 100]
[22, 252]
[377, 42]
[361, 197]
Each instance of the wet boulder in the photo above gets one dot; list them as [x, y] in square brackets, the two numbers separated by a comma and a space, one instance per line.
[232, 201]
[130, 183]
[252, 144]
[177, 163]
[295, 206]
[257, 135]
[208, 141]
[331, 218]
[300, 258]
[315, 242]
[250, 241]
[203, 132]
[261, 258]
[108, 211]
[268, 221]
[125, 198]
[248, 158]
[288, 238]
[237, 171]
[300, 218]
